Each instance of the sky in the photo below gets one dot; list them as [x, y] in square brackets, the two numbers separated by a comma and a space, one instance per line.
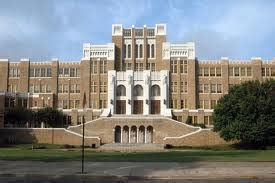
[46, 29]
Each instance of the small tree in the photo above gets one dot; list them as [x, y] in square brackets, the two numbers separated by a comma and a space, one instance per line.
[50, 116]
[246, 113]
[18, 116]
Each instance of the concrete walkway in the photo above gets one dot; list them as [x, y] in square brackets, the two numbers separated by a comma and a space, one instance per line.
[142, 170]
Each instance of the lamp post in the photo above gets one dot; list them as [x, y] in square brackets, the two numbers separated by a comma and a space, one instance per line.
[83, 130]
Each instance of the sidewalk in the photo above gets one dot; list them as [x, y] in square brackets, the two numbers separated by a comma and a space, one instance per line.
[140, 170]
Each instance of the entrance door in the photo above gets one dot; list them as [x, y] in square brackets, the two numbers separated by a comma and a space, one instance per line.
[155, 106]
[120, 107]
[138, 107]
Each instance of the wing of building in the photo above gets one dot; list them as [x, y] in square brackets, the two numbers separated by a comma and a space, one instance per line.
[139, 73]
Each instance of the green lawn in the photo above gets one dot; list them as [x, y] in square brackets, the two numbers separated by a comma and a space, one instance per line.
[53, 154]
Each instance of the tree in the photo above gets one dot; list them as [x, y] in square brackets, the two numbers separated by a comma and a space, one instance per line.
[50, 116]
[246, 114]
[18, 116]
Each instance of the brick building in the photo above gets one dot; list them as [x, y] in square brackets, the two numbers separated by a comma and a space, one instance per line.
[139, 73]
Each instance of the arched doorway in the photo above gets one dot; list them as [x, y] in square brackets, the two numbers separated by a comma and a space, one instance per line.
[120, 104]
[133, 134]
[138, 104]
[125, 134]
[141, 134]
[149, 134]
[117, 134]
[155, 104]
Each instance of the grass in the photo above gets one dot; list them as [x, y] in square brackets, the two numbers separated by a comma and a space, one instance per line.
[57, 153]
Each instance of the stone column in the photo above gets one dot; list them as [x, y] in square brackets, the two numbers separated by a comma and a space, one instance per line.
[129, 87]
[146, 92]
[164, 94]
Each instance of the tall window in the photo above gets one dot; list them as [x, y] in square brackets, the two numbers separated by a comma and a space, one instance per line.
[94, 67]
[129, 51]
[120, 90]
[155, 90]
[148, 51]
[124, 51]
[152, 51]
[136, 51]
[140, 51]
[93, 87]
[138, 90]
[173, 66]
[218, 71]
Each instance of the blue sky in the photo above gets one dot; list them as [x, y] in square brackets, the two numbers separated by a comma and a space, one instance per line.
[42, 30]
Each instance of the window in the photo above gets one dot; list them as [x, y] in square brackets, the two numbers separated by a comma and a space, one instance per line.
[213, 88]
[173, 66]
[65, 88]
[185, 66]
[77, 72]
[206, 88]
[72, 72]
[136, 51]
[248, 71]
[138, 90]
[213, 104]
[66, 72]
[152, 51]
[155, 90]
[14, 72]
[181, 66]
[129, 66]
[242, 71]
[129, 51]
[185, 87]
[31, 72]
[206, 71]
[206, 120]
[103, 87]
[31, 88]
[200, 71]
[140, 51]
[174, 87]
[206, 104]
[65, 104]
[236, 71]
[201, 88]
[124, 51]
[36, 89]
[48, 89]
[60, 72]
[77, 103]
[72, 88]
[219, 88]
[272, 71]
[60, 88]
[49, 72]
[36, 72]
[120, 90]
[77, 88]
[148, 50]
[218, 71]
[94, 67]
[201, 104]
[93, 87]
[43, 72]
[43, 89]
[212, 71]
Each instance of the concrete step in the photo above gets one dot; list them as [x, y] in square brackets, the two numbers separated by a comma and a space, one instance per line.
[132, 147]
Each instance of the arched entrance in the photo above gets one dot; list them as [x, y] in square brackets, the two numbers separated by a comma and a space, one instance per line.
[133, 134]
[125, 134]
[155, 104]
[141, 134]
[149, 134]
[138, 104]
[117, 134]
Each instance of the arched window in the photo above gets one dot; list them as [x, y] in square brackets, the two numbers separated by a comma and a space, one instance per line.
[138, 90]
[152, 51]
[129, 51]
[121, 90]
[155, 90]
[136, 51]
[140, 51]
[148, 51]
[124, 51]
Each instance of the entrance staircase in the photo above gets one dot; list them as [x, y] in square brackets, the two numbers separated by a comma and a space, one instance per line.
[132, 147]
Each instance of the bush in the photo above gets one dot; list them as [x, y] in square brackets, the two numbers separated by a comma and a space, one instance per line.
[246, 114]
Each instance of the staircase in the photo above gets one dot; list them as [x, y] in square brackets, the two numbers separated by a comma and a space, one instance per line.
[132, 147]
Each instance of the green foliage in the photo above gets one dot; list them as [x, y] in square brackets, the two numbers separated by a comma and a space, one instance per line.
[246, 113]
[19, 116]
[50, 116]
